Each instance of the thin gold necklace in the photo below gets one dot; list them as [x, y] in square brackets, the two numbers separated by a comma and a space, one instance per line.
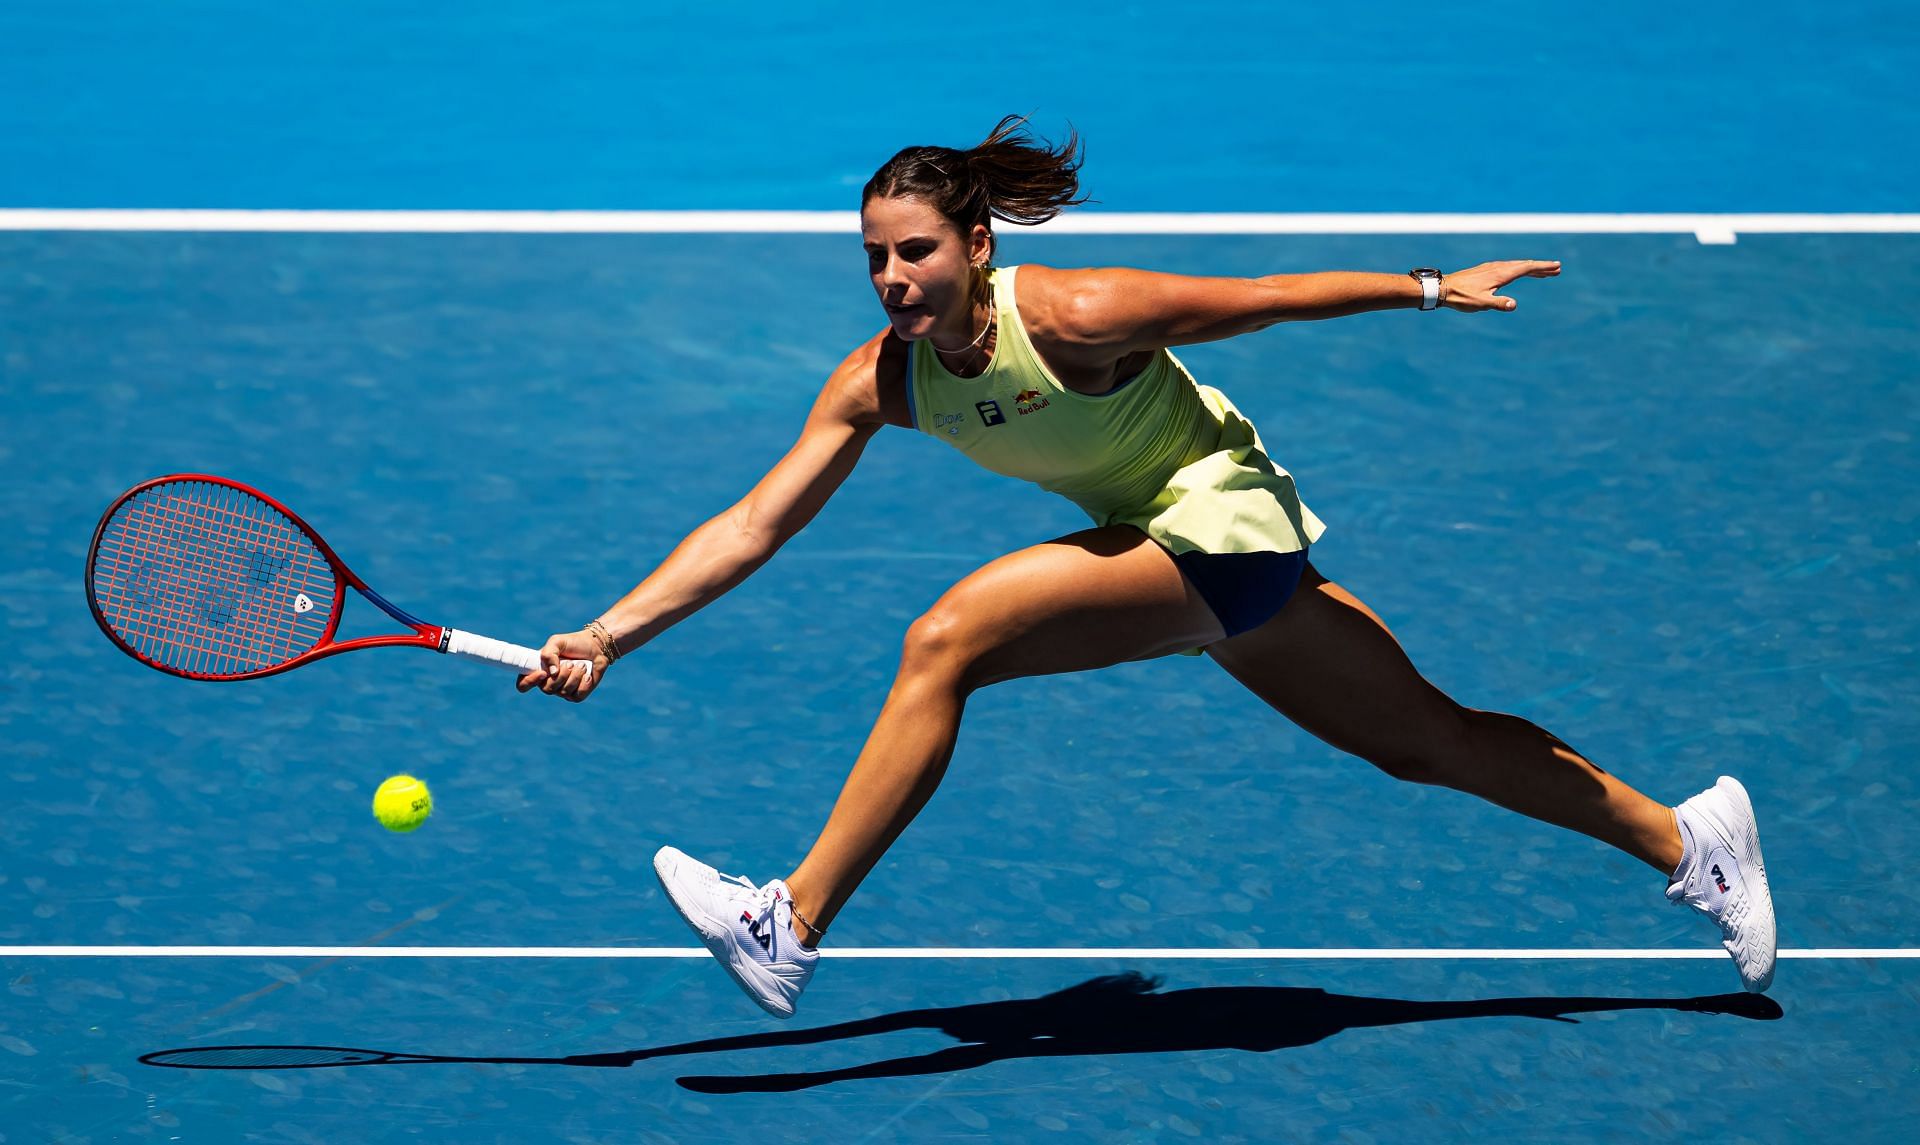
[972, 349]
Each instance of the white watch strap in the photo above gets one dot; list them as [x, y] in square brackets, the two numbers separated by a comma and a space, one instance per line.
[1429, 291]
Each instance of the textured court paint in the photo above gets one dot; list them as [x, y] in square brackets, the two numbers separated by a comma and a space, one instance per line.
[1666, 508]
[1401, 105]
[963, 1051]
[1672, 517]
[1662, 508]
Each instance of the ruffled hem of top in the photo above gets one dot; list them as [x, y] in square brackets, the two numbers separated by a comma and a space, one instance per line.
[1233, 500]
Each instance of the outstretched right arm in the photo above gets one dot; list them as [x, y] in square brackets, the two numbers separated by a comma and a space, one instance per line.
[728, 548]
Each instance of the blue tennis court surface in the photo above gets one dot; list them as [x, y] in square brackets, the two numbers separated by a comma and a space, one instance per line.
[1671, 520]
[1667, 509]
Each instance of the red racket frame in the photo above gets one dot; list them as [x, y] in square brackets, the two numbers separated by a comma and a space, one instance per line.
[424, 635]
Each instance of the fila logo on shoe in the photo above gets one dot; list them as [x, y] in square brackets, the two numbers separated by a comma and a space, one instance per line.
[753, 928]
[1719, 880]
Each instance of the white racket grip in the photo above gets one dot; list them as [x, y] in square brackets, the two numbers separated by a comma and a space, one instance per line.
[487, 650]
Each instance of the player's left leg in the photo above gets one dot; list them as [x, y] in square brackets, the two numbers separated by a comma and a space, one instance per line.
[1329, 664]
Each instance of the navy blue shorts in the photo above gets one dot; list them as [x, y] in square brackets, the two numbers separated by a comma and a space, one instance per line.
[1244, 590]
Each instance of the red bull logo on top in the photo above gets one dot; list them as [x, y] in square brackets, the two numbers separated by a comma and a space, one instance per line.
[1029, 401]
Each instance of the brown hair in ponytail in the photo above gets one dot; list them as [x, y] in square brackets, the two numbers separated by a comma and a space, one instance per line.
[1005, 176]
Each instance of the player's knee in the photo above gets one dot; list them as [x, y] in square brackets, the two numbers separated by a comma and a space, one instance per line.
[940, 644]
[1436, 754]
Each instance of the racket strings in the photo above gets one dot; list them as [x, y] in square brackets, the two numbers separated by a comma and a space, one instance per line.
[205, 579]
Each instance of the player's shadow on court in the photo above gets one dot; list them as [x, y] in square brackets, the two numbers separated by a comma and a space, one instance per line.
[1118, 1014]
[1123, 1014]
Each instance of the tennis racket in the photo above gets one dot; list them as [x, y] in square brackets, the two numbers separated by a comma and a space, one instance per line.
[326, 1057]
[206, 578]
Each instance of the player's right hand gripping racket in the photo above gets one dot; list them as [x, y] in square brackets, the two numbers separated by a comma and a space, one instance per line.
[208, 579]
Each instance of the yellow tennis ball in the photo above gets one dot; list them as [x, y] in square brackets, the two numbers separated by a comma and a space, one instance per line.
[402, 803]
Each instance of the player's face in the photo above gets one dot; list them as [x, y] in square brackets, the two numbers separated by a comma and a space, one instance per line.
[921, 268]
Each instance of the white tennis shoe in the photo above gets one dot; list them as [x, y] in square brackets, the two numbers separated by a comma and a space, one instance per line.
[1723, 876]
[748, 928]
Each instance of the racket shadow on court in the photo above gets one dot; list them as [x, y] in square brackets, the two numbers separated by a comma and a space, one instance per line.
[1116, 1014]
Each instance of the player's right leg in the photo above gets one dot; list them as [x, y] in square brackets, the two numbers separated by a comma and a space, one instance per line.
[1089, 600]
[1095, 598]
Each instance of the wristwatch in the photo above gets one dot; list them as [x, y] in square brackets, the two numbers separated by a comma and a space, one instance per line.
[1429, 280]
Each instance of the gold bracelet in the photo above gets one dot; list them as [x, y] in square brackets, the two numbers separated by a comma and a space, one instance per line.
[604, 638]
[607, 642]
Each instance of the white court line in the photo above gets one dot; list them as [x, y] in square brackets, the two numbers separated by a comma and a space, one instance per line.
[1708, 228]
[963, 952]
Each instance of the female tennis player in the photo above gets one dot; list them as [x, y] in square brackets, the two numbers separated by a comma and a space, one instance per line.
[1066, 378]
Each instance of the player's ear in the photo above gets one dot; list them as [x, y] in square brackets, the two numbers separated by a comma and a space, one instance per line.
[979, 245]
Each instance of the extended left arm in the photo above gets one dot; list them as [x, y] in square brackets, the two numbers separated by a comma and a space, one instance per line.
[1143, 310]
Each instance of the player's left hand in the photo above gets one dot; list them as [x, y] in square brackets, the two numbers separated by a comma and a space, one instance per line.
[1475, 288]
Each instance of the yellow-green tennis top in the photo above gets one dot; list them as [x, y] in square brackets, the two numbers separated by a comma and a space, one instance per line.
[1160, 452]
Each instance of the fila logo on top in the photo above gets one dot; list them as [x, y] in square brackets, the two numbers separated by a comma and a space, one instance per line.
[990, 413]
